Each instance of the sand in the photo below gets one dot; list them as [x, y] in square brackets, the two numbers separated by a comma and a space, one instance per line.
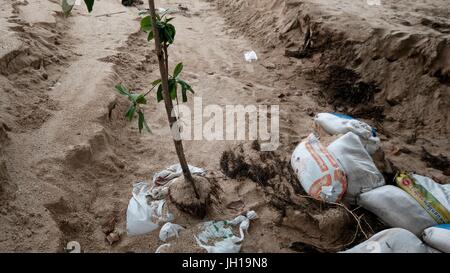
[68, 158]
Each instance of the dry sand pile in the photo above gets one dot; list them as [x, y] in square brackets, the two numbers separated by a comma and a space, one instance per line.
[68, 158]
[389, 64]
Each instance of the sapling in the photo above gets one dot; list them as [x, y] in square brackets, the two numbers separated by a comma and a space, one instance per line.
[160, 30]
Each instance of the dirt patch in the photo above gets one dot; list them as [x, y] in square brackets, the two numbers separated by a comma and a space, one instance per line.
[343, 87]
[182, 195]
[327, 228]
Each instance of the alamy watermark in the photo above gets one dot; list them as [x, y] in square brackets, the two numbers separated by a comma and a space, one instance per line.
[229, 122]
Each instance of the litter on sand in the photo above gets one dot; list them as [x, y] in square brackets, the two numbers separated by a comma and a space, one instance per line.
[373, 2]
[162, 248]
[250, 56]
[145, 215]
[225, 241]
[318, 170]
[394, 240]
[161, 178]
[169, 230]
[147, 207]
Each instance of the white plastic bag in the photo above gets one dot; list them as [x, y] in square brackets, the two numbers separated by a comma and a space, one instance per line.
[336, 124]
[318, 171]
[250, 56]
[396, 208]
[362, 174]
[229, 242]
[144, 216]
[394, 240]
[374, 2]
[163, 248]
[438, 237]
[163, 177]
[169, 230]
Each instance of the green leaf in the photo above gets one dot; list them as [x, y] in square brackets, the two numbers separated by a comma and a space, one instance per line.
[89, 4]
[188, 87]
[150, 36]
[183, 94]
[173, 89]
[158, 81]
[137, 98]
[142, 123]
[146, 23]
[159, 96]
[130, 112]
[167, 20]
[170, 32]
[177, 70]
[66, 7]
[122, 90]
[141, 99]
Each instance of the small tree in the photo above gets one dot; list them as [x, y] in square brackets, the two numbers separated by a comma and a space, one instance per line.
[160, 29]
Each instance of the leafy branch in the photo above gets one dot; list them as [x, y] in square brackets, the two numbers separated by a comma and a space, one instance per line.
[67, 5]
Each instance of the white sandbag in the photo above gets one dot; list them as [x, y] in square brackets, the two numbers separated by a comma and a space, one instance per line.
[438, 237]
[169, 230]
[362, 174]
[163, 177]
[433, 197]
[144, 216]
[396, 208]
[228, 243]
[394, 240]
[318, 171]
[336, 124]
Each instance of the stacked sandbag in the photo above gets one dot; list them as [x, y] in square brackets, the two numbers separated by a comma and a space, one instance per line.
[394, 240]
[336, 124]
[438, 237]
[432, 196]
[362, 174]
[398, 208]
[345, 168]
[318, 171]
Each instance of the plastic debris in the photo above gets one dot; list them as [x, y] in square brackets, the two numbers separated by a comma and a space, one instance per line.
[146, 209]
[373, 2]
[229, 242]
[144, 215]
[318, 171]
[250, 56]
[162, 248]
[172, 172]
[336, 124]
[169, 230]
[362, 174]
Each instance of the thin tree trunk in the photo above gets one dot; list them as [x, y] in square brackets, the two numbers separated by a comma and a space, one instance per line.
[163, 68]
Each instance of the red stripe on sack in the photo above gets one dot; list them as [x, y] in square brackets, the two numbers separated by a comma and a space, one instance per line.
[316, 187]
[323, 167]
[329, 156]
[340, 176]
